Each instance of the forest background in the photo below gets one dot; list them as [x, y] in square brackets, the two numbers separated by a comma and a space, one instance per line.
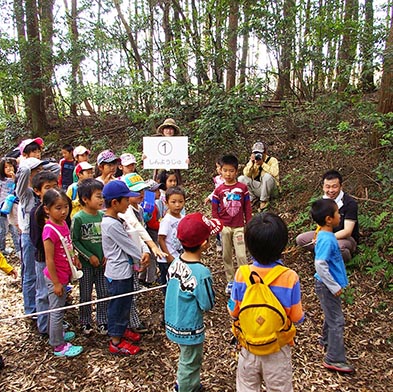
[106, 73]
[311, 78]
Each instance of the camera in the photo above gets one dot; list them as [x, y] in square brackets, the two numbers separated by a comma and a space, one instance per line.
[258, 156]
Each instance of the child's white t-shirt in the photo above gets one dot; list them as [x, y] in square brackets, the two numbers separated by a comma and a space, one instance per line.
[168, 227]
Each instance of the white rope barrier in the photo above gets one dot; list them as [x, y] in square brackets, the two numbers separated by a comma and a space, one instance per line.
[144, 290]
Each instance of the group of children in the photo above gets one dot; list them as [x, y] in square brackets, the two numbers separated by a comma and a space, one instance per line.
[66, 207]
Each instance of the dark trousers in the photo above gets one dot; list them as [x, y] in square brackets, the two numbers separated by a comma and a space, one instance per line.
[333, 324]
[119, 309]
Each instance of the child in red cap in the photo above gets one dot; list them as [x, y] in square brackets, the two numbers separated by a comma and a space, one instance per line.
[189, 294]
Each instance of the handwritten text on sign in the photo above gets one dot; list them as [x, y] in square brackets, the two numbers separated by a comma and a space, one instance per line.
[165, 152]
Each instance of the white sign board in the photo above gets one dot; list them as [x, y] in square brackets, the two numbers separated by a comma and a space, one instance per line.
[165, 152]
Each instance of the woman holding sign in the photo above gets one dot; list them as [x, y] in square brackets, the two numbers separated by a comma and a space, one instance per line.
[169, 128]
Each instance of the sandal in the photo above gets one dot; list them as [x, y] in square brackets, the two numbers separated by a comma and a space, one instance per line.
[68, 336]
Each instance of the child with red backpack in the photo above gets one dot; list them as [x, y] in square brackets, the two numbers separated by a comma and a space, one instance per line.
[265, 301]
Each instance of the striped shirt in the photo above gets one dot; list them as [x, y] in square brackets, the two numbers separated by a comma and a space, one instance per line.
[286, 288]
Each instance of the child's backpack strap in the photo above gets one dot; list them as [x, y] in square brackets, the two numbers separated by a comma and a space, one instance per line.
[271, 276]
[274, 273]
[246, 272]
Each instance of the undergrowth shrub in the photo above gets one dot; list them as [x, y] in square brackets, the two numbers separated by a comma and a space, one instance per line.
[222, 125]
[375, 253]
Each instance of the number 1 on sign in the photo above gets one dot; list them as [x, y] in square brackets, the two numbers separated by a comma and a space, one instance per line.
[165, 148]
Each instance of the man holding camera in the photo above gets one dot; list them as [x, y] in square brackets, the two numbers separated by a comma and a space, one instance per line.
[261, 175]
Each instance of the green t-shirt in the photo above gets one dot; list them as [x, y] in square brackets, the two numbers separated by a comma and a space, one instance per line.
[86, 236]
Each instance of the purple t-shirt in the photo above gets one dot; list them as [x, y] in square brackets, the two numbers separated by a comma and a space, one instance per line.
[63, 269]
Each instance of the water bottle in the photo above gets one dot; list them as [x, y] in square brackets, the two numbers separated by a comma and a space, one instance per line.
[6, 208]
[148, 202]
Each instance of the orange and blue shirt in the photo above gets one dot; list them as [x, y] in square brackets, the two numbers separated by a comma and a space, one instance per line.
[286, 288]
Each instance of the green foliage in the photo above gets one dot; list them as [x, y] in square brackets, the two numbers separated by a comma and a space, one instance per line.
[293, 183]
[222, 125]
[344, 126]
[375, 255]
[349, 295]
[326, 144]
[304, 221]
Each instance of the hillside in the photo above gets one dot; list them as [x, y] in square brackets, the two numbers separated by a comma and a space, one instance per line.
[305, 152]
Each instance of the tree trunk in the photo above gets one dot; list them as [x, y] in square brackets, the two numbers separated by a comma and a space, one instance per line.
[367, 49]
[385, 103]
[347, 50]
[166, 49]
[46, 21]
[193, 39]
[304, 48]
[232, 44]
[35, 89]
[319, 74]
[138, 59]
[75, 54]
[22, 45]
[286, 42]
[216, 37]
[8, 103]
[245, 46]
[180, 51]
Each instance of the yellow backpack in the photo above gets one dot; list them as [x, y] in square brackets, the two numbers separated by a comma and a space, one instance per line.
[262, 326]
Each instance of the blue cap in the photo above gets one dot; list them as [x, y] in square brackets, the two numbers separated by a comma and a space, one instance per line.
[114, 189]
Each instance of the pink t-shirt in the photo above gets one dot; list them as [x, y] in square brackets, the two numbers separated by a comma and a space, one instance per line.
[63, 269]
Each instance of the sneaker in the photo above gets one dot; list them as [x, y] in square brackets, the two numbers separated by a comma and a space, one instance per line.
[128, 334]
[65, 325]
[176, 388]
[87, 329]
[141, 328]
[68, 336]
[123, 348]
[341, 367]
[103, 329]
[67, 350]
[228, 289]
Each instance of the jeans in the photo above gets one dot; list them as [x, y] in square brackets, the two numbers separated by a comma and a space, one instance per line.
[119, 308]
[41, 297]
[29, 275]
[333, 324]
[56, 332]
[189, 367]
[5, 226]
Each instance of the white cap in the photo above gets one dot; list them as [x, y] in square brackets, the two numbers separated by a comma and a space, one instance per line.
[32, 163]
[127, 159]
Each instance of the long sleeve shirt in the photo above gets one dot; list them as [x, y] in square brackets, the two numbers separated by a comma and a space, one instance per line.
[120, 251]
[231, 204]
[329, 264]
[286, 288]
[189, 293]
[270, 166]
